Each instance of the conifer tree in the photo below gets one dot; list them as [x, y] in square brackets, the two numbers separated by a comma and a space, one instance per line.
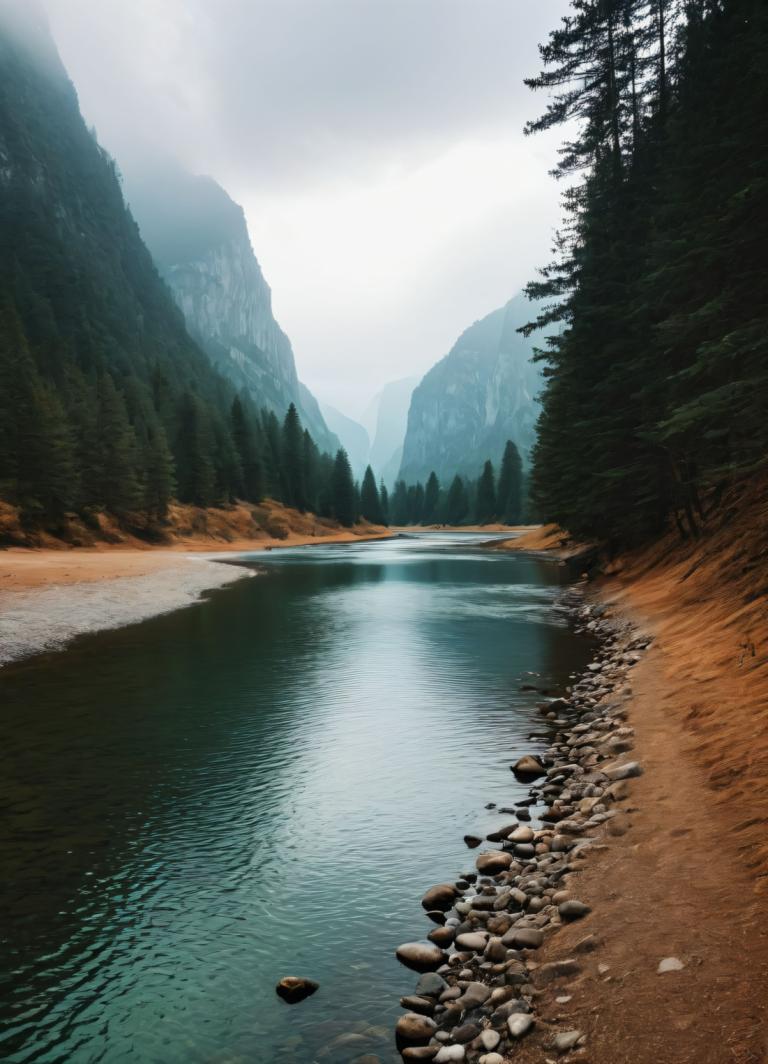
[251, 486]
[431, 499]
[117, 454]
[370, 503]
[399, 505]
[343, 490]
[292, 460]
[485, 507]
[311, 459]
[384, 500]
[194, 447]
[510, 486]
[457, 503]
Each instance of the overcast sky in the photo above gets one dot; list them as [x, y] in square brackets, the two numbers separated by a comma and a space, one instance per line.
[375, 145]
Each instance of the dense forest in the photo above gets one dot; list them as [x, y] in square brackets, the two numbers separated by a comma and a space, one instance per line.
[657, 385]
[464, 501]
[106, 403]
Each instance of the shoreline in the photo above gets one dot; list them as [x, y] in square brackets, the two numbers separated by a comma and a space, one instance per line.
[668, 956]
[49, 597]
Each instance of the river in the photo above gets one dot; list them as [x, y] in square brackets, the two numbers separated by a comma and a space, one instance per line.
[261, 785]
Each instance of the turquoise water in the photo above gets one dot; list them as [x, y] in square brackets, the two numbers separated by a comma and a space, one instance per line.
[261, 785]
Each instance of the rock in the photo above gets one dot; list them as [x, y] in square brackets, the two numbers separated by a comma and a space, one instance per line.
[523, 938]
[587, 944]
[473, 940]
[491, 1058]
[547, 973]
[437, 916]
[566, 1040]
[670, 964]
[421, 956]
[441, 936]
[489, 1039]
[466, 1033]
[440, 897]
[624, 772]
[519, 1024]
[431, 984]
[573, 909]
[475, 994]
[522, 834]
[528, 768]
[449, 1053]
[293, 989]
[414, 1028]
[500, 834]
[472, 841]
[493, 862]
[413, 1003]
[420, 1052]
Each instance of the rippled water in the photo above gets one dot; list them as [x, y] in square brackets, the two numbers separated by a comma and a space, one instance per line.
[261, 785]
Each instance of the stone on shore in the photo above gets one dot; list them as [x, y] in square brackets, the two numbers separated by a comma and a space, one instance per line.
[414, 1028]
[421, 956]
[573, 909]
[413, 1003]
[472, 941]
[420, 1052]
[293, 989]
[528, 768]
[670, 964]
[473, 841]
[440, 897]
[493, 862]
[519, 1024]
[431, 984]
[566, 1041]
[523, 938]
[625, 772]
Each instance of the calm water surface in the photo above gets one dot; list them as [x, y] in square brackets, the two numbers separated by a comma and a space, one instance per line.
[261, 785]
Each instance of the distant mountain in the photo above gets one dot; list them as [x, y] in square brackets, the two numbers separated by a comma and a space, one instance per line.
[354, 439]
[482, 393]
[199, 239]
[387, 416]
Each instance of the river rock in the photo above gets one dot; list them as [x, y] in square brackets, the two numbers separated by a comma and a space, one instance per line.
[431, 984]
[473, 841]
[441, 936]
[573, 909]
[473, 941]
[414, 1028]
[547, 973]
[670, 964]
[468, 1032]
[528, 768]
[421, 956]
[624, 772]
[440, 897]
[523, 938]
[475, 994]
[413, 1003]
[420, 1052]
[293, 989]
[493, 862]
[519, 1024]
[489, 1039]
[450, 1053]
[491, 1058]
[566, 1041]
[522, 834]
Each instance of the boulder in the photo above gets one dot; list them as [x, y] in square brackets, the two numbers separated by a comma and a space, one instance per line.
[413, 1003]
[528, 768]
[493, 862]
[293, 989]
[440, 897]
[573, 909]
[415, 1029]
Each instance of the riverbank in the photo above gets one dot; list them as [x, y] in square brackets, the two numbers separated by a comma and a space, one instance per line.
[51, 595]
[688, 877]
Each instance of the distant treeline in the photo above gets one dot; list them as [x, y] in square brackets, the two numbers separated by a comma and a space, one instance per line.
[658, 380]
[464, 501]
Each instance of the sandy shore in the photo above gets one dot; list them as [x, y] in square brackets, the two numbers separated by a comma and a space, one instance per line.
[49, 597]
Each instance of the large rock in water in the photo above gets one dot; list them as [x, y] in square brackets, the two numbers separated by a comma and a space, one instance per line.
[440, 897]
[421, 956]
[493, 862]
[293, 989]
[528, 768]
[415, 1029]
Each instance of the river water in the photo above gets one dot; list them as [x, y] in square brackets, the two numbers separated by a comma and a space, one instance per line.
[261, 785]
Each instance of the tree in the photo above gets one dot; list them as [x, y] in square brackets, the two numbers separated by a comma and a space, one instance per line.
[251, 485]
[194, 448]
[457, 503]
[343, 490]
[117, 453]
[431, 499]
[292, 464]
[510, 487]
[384, 499]
[370, 503]
[399, 505]
[486, 508]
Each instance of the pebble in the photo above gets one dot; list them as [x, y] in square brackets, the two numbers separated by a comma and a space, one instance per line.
[573, 909]
[431, 984]
[625, 772]
[566, 1040]
[519, 1024]
[473, 940]
[415, 1028]
[491, 1058]
[449, 1053]
[670, 964]
[489, 1039]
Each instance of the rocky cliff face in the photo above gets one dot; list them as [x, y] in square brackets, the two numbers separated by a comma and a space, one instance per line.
[199, 239]
[476, 398]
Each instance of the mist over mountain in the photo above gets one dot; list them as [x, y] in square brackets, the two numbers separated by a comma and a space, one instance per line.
[354, 438]
[387, 413]
[199, 239]
[481, 394]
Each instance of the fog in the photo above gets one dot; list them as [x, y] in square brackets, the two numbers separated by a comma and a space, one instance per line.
[376, 146]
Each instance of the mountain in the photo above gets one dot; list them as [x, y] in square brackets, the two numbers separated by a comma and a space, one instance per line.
[387, 414]
[199, 239]
[482, 393]
[354, 438]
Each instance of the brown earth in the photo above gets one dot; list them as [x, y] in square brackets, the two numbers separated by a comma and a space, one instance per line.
[109, 552]
[689, 879]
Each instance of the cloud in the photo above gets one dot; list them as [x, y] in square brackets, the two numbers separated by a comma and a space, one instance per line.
[375, 145]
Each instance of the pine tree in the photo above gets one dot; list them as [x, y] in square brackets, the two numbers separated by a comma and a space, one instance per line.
[117, 453]
[384, 500]
[311, 459]
[193, 450]
[399, 505]
[457, 503]
[343, 490]
[486, 509]
[431, 499]
[292, 460]
[510, 487]
[370, 503]
[251, 485]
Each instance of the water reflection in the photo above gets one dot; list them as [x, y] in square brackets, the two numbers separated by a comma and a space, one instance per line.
[258, 786]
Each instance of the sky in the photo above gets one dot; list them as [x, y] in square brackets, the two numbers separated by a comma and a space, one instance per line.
[375, 145]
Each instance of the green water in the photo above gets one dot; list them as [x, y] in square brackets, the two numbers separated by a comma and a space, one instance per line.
[261, 785]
